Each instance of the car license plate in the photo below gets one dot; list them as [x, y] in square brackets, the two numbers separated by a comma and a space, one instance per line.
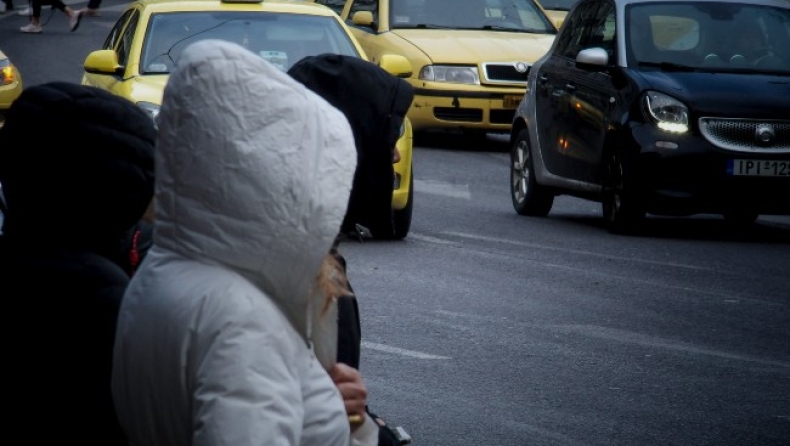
[758, 168]
[511, 101]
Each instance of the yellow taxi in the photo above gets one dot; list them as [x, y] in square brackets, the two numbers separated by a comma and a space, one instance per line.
[470, 57]
[10, 85]
[136, 58]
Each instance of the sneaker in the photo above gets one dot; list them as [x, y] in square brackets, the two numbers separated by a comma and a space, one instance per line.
[25, 11]
[31, 28]
[88, 12]
[74, 20]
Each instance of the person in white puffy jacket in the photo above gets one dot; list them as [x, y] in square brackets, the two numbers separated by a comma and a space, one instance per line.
[215, 332]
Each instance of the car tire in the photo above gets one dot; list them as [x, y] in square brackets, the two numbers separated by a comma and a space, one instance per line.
[402, 218]
[740, 217]
[529, 198]
[623, 209]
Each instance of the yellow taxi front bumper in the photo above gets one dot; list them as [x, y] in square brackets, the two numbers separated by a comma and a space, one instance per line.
[460, 109]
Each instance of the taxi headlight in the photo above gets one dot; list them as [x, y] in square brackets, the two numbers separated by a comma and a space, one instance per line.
[451, 74]
[6, 73]
[666, 112]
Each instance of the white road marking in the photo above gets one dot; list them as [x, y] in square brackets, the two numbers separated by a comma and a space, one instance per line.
[630, 337]
[731, 298]
[575, 251]
[442, 188]
[401, 351]
[429, 239]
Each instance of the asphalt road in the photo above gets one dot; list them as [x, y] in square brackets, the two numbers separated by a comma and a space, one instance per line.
[486, 328]
[56, 54]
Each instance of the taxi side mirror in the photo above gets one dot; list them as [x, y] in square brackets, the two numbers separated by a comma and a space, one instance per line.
[103, 62]
[363, 18]
[396, 65]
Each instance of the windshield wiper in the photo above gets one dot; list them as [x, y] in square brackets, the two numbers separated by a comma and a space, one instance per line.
[432, 26]
[502, 28]
[470, 28]
[667, 66]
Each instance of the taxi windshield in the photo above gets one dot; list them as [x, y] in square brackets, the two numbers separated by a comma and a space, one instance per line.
[282, 39]
[496, 15]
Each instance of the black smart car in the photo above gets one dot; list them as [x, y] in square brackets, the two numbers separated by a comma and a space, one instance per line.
[667, 107]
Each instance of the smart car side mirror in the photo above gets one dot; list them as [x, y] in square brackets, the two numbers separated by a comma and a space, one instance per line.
[396, 65]
[592, 57]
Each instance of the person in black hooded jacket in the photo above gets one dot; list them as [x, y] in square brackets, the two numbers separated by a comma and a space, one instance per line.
[77, 172]
[375, 103]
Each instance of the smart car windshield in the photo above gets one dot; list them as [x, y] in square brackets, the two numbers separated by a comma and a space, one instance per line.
[282, 39]
[719, 37]
[497, 15]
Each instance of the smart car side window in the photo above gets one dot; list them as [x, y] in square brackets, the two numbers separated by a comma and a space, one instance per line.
[584, 22]
[564, 37]
[602, 35]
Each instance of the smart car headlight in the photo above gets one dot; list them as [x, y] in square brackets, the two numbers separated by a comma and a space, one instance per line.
[666, 112]
[150, 109]
[451, 74]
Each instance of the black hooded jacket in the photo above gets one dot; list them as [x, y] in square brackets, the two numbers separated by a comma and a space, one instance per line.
[375, 103]
[77, 172]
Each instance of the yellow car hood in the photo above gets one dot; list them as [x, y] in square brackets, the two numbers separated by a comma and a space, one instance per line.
[474, 46]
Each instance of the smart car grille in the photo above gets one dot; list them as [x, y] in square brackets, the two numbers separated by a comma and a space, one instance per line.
[744, 135]
[505, 73]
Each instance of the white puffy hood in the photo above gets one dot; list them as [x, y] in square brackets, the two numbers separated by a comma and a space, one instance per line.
[253, 171]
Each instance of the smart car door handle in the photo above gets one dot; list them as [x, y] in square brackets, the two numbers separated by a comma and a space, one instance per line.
[543, 79]
[570, 87]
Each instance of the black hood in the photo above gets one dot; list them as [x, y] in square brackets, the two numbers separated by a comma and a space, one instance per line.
[375, 103]
[76, 164]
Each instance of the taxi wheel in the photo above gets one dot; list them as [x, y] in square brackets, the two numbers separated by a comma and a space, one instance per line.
[529, 197]
[402, 218]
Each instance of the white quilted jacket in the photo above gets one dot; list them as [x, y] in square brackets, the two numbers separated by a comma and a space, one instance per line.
[214, 335]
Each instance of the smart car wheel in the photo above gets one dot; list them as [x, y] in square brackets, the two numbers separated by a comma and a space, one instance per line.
[622, 206]
[402, 218]
[740, 217]
[529, 197]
